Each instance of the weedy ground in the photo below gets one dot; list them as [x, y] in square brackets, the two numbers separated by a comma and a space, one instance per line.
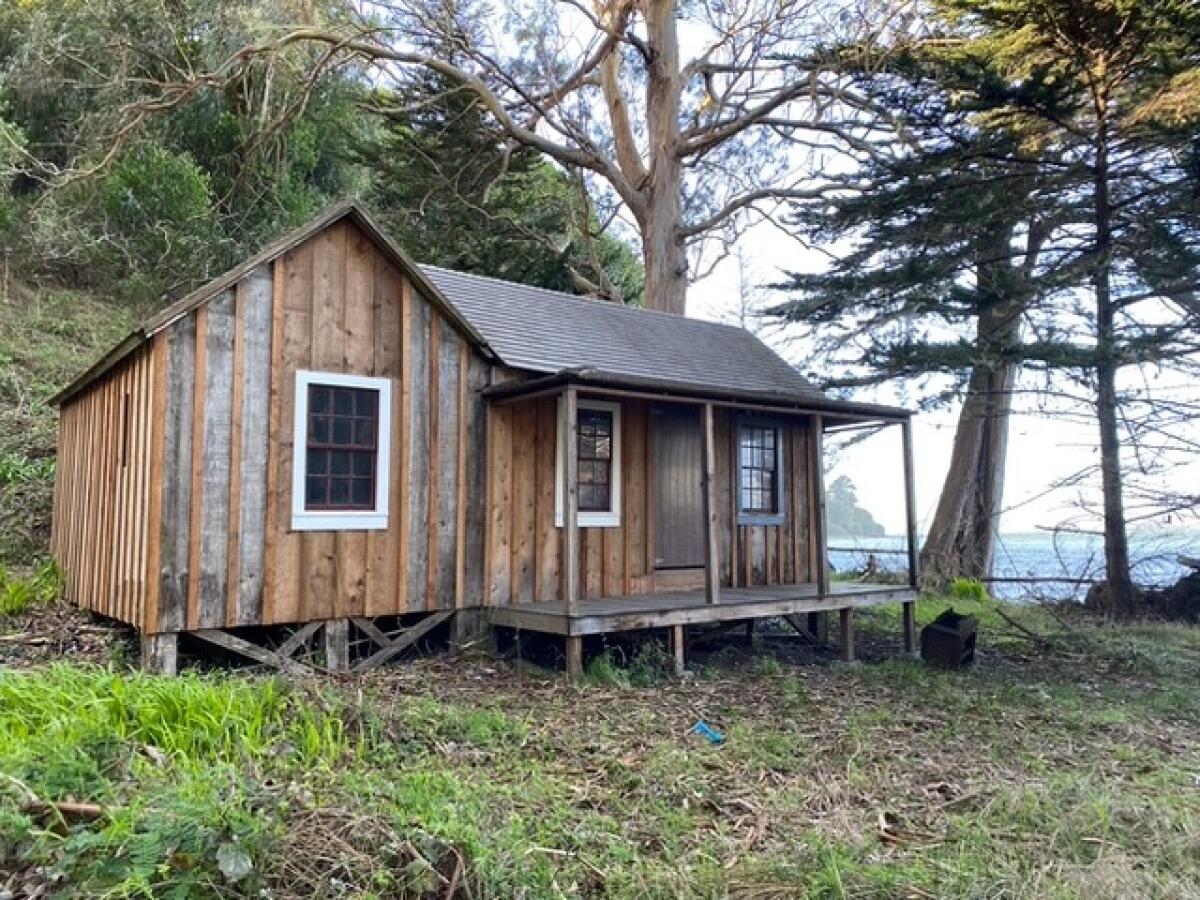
[1066, 763]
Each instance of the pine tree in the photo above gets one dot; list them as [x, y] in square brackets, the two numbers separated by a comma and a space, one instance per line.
[1041, 190]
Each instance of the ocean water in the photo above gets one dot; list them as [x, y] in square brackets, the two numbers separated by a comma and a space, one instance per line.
[1043, 555]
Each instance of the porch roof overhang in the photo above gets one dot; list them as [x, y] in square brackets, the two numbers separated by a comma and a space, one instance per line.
[590, 379]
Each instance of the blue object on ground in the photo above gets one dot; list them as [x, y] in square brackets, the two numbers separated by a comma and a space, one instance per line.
[707, 732]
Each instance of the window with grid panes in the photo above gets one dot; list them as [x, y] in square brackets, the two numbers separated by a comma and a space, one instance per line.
[758, 449]
[342, 448]
[595, 460]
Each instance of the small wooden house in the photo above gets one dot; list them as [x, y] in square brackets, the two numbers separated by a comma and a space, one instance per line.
[332, 437]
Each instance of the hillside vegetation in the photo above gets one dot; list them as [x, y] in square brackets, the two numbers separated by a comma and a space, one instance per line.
[47, 337]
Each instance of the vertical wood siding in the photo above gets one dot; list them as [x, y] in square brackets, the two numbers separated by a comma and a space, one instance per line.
[524, 548]
[227, 555]
[102, 491]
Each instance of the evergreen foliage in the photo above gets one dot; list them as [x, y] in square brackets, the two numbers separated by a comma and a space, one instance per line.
[845, 516]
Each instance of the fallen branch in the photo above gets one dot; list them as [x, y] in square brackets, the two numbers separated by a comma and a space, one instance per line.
[67, 810]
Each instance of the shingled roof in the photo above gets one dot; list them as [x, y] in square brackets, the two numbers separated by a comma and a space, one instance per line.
[545, 331]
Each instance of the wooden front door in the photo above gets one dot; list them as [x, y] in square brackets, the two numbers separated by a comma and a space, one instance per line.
[678, 490]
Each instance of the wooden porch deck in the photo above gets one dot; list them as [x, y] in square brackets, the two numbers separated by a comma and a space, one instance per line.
[609, 614]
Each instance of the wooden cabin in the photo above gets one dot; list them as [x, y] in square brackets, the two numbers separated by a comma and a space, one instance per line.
[333, 439]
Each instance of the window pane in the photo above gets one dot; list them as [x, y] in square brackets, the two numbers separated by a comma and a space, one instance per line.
[339, 462]
[364, 463]
[315, 493]
[364, 432]
[343, 402]
[318, 462]
[342, 432]
[318, 430]
[339, 492]
[360, 494]
[365, 403]
[318, 399]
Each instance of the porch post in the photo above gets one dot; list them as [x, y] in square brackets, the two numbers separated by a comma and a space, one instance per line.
[910, 506]
[820, 526]
[712, 562]
[570, 469]
[914, 557]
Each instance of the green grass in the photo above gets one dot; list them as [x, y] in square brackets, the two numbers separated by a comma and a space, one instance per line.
[1056, 768]
[19, 595]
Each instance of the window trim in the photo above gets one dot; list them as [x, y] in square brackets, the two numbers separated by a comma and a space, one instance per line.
[779, 517]
[596, 519]
[375, 519]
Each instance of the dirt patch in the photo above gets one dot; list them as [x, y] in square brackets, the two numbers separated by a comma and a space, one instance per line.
[61, 632]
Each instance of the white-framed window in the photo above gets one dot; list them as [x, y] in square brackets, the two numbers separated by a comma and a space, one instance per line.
[341, 446]
[599, 452]
[760, 472]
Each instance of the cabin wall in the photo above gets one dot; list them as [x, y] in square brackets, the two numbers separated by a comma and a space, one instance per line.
[102, 490]
[767, 554]
[226, 554]
[525, 549]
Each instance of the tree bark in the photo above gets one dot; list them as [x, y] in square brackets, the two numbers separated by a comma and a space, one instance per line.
[1117, 595]
[663, 250]
[962, 536]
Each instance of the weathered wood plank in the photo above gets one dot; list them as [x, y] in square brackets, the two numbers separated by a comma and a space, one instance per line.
[383, 558]
[846, 636]
[155, 484]
[242, 647]
[499, 474]
[177, 470]
[524, 503]
[404, 445]
[404, 641]
[819, 527]
[215, 461]
[477, 456]
[688, 608]
[337, 645]
[299, 638]
[461, 450]
[419, 434]
[570, 429]
[547, 587]
[257, 391]
[233, 528]
[444, 501]
[712, 562]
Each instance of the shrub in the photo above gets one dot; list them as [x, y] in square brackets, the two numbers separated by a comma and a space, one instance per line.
[969, 589]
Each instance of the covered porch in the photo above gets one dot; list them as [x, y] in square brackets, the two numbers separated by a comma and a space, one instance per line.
[719, 587]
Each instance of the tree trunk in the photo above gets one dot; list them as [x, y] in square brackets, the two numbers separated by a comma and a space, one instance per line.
[962, 535]
[1117, 596]
[662, 238]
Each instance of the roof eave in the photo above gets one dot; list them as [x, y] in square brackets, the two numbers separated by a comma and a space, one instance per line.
[590, 377]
